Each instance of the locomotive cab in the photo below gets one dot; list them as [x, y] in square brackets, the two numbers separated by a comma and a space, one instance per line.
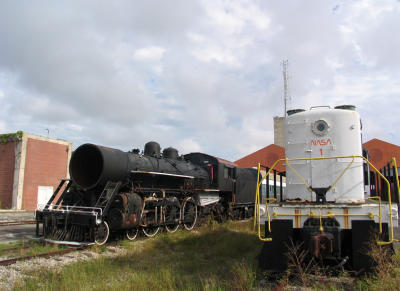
[222, 173]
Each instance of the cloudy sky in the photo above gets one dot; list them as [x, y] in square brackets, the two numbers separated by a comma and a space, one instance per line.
[196, 75]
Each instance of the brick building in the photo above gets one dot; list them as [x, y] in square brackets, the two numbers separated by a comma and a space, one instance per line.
[30, 168]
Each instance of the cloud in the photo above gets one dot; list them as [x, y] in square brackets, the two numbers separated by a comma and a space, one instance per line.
[198, 75]
[3, 127]
[152, 53]
[188, 146]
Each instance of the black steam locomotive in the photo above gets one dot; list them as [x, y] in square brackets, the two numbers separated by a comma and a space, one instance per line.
[115, 191]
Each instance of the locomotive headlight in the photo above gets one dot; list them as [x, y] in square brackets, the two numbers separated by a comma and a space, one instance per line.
[320, 127]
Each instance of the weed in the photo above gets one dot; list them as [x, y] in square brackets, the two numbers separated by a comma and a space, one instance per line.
[387, 270]
[99, 249]
[299, 264]
[27, 248]
[223, 259]
[243, 277]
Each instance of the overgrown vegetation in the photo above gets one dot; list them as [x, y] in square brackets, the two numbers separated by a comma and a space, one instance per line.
[27, 248]
[311, 274]
[6, 137]
[387, 275]
[215, 257]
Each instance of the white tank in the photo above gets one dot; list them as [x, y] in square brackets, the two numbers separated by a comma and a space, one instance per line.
[324, 132]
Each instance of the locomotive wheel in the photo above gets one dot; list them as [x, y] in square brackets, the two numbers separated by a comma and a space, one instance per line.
[150, 231]
[131, 234]
[102, 233]
[172, 228]
[171, 218]
[151, 227]
[189, 214]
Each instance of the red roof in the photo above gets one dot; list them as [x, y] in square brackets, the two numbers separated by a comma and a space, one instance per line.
[266, 156]
[226, 162]
[381, 152]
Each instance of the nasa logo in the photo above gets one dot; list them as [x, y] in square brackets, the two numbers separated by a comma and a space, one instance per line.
[321, 142]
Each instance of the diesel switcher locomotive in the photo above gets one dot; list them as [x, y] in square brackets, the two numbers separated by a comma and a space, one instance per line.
[111, 191]
[326, 207]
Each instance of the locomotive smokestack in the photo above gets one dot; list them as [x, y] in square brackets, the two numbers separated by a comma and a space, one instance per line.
[93, 165]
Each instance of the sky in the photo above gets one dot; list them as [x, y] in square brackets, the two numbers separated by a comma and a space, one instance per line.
[195, 75]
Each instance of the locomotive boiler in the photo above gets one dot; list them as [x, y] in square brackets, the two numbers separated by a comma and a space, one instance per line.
[111, 191]
[326, 207]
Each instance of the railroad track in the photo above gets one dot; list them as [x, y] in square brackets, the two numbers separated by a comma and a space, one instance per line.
[11, 261]
[8, 262]
[16, 249]
[8, 223]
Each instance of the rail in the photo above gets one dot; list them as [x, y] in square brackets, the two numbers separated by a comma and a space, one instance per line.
[311, 214]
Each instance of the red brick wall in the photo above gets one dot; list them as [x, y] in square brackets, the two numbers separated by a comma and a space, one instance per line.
[7, 165]
[45, 163]
[381, 152]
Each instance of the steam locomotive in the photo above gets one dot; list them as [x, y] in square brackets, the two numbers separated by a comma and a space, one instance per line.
[327, 208]
[111, 191]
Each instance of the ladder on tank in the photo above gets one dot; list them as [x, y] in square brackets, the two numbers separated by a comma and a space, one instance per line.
[107, 195]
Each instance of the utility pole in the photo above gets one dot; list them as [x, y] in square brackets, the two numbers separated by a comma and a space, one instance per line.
[286, 97]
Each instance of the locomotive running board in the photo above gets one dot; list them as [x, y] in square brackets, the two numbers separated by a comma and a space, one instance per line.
[70, 243]
[162, 174]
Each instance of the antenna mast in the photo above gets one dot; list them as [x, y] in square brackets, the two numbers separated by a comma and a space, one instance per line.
[286, 97]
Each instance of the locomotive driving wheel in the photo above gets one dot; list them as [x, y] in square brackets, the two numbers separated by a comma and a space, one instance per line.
[102, 232]
[150, 227]
[189, 213]
[171, 218]
[150, 231]
[131, 234]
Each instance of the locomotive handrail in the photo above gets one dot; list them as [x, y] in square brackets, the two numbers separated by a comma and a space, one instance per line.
[75, 209]
[162, 174]
[397, 185]
[380, 211]
[257, 214]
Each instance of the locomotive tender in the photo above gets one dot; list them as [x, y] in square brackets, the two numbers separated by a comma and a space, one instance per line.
[115, 191]
[326, 207]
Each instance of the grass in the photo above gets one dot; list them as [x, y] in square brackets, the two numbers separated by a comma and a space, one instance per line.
[387, 275]
[17, 249]
[27, 248]
[11, 245]
[309, 274]
[215, 257]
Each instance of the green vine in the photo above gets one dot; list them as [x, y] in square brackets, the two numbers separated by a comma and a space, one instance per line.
[5, 138]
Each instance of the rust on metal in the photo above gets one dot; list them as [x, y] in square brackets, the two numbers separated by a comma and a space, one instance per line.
[321, 245]
[346, 218]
